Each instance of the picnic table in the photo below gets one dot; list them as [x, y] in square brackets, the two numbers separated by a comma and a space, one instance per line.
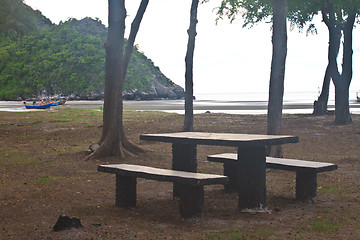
[251, 158]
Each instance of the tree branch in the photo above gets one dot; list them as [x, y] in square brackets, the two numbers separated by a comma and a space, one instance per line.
[134, 30]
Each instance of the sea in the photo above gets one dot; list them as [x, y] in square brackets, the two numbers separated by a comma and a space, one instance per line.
[234, 103]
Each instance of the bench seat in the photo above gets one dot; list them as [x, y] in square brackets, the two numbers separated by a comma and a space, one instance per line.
[191, 185]
[306, 171]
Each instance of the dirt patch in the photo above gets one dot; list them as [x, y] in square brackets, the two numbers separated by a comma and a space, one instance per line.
[43, 175]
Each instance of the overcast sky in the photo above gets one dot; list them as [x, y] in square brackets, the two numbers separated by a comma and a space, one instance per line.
[228, 58]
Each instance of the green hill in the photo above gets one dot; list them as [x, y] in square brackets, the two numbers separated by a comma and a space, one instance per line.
[17, 19]
[67, 59]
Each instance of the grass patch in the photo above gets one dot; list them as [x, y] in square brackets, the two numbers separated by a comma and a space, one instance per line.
[157, 229]
[357, 225]
[232, 233]
[43, 180]
[24, 161]
[15, 157]
[335, 189]
[8, 151]
[322, 225]
[75, 116]
[84, 212]
[141, 115]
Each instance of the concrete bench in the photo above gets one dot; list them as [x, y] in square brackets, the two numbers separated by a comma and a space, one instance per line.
[191, 185]
[306, 172]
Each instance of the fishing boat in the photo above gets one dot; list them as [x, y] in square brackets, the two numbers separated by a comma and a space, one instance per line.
[62, 101]
[38, 105]
[42, 105]
[55, 103]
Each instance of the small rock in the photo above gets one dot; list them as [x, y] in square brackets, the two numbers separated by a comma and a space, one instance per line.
[66, 223]
[93, 147]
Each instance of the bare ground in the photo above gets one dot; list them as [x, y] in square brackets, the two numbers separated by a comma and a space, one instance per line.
[43, 175]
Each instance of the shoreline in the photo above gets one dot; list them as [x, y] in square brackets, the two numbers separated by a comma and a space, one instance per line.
[177, 106]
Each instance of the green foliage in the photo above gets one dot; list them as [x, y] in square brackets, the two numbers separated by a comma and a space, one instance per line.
[253, 11]
[38, 57]
[299, 12]
[56, 60]
[17, 19]
[65, 59]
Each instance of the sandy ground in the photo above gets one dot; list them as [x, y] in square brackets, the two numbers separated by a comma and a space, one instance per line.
[43, 175]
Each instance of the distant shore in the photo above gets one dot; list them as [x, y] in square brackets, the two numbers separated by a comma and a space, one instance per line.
[200, 106]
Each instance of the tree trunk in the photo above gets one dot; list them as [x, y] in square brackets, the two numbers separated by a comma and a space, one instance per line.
[320, 106]
[276, 89]
[113, 141]
[342, 113]
[342, 81]
[335, 22]
[189, 93]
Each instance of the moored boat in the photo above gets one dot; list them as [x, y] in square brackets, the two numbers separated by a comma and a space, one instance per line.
[38, 105]
[357, 96]
[45, 103]
[55, 103]
[62, 101]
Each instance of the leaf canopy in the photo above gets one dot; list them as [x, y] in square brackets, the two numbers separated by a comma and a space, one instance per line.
[299, 13]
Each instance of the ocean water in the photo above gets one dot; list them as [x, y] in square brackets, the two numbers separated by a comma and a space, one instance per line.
[256, 102]
[304, 97]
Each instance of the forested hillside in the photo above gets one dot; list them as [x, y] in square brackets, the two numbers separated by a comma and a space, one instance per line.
[69, 59]
[17, 19]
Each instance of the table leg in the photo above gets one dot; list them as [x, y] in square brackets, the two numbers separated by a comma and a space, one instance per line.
[125, 191]
[184, 159]
[191, 201]
[306, 185]
[230, 170]
[252, 178]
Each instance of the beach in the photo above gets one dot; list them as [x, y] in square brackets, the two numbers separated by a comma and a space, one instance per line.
[200, 106]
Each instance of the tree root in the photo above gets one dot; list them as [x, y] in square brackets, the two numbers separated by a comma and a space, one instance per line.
[122, 150]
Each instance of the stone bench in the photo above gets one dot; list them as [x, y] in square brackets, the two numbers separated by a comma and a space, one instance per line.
[191, 185]
[306, 172]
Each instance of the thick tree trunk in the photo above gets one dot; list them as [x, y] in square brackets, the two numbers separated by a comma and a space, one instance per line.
[114, 53]
[113, 141]
[342, 113]
[320, 106]
[189, 93]
[276, 89]
[342, 81]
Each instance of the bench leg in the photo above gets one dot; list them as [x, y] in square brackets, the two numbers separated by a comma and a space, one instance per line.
[231, 171]
[125, 191]
[191, 201]
[251, 178]
[306, 185]
[184, 159]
